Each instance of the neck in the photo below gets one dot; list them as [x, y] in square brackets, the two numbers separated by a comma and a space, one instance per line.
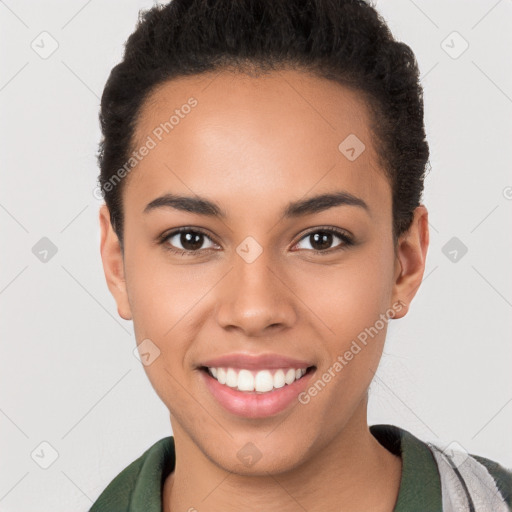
[352, 472]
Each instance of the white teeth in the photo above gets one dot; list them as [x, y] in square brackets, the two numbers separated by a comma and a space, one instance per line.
[261, 381]
[279, 379]
[290, 376]
[231, 378]
[245, 381]
[221, 375]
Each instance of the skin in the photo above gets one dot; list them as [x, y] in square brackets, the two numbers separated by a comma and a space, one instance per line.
[252, 145]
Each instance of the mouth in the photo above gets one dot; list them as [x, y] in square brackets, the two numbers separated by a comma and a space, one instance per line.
[258, 393]
[256, 381]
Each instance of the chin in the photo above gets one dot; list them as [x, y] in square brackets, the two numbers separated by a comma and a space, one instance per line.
[249, 461]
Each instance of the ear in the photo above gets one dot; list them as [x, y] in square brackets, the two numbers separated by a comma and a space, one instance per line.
[410, 260]
[113, 264]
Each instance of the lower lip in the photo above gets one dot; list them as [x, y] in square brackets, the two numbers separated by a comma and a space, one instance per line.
[256, 405]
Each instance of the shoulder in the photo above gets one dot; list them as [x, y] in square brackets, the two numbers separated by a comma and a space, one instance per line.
[473, 480]
[143, 476]
[447, 478]
[502, 477]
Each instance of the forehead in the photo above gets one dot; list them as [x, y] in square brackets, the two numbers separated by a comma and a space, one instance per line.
[227, 134]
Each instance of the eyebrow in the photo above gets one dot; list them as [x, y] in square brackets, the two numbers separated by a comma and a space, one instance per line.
[202, 206]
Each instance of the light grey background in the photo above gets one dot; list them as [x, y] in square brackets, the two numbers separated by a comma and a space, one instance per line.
[68, 374]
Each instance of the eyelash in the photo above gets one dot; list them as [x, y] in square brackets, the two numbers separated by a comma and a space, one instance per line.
[346, 239]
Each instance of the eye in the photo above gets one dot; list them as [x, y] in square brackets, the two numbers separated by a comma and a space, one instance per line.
[190, 240]
[320, 240]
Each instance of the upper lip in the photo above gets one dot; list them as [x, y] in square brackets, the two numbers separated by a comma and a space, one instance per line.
[255, 362]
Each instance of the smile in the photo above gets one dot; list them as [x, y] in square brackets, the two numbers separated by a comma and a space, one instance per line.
[255, 394]
[262, 381]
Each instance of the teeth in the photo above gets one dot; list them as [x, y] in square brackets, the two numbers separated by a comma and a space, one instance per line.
[221, 375]
[231, 378]
[245, 381]
[262, 381]
[290, 376]
[279, 379]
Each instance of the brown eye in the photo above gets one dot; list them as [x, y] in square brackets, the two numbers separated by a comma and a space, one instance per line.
[186, 241]
[321, 240]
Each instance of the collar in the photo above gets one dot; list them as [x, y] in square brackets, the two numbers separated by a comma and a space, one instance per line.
[139, 486]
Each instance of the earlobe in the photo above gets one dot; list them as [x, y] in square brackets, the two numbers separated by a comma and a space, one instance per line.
[411, 257]
[113, 264]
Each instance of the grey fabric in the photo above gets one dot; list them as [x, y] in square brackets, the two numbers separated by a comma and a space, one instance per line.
[466, 484]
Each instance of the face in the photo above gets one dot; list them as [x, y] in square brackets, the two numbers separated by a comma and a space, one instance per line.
[264, 266]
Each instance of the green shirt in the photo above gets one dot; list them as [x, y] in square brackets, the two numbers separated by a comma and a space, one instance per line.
[138, 488]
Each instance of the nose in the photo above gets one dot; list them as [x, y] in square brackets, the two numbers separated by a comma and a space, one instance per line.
[255, 298]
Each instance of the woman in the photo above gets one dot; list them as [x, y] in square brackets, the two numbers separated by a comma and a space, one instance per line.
[262, 167]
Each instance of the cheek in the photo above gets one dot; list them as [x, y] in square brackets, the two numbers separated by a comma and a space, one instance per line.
[162, 294]
[353, 301]
[352, 296]
[163, 299]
